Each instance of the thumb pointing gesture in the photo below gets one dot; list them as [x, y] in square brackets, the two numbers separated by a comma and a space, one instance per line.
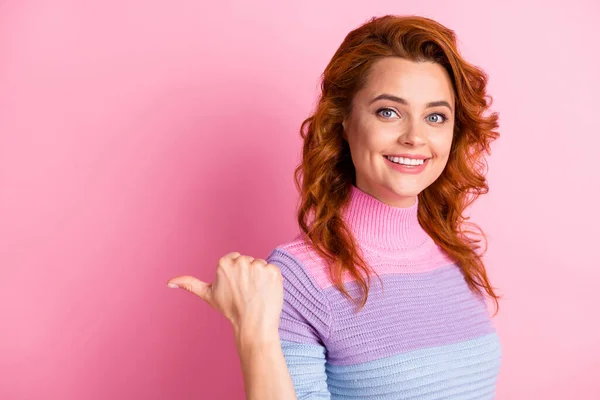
[248, 291]
[193, 285]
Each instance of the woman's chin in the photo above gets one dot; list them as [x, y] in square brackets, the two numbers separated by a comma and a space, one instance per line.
[401, 197]
[405, 190]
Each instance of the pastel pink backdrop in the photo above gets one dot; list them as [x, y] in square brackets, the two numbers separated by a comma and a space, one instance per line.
[140, 140]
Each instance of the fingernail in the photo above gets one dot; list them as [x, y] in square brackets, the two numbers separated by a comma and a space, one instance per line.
[172, 286]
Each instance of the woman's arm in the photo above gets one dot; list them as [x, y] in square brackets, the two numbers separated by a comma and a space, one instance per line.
[249, 293]
[266, 375]
[305, 326]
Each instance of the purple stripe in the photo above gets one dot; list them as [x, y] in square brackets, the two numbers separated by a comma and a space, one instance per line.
[414, 311]
[306, 316]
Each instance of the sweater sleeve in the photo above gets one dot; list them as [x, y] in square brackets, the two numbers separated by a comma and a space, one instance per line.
[304, 325]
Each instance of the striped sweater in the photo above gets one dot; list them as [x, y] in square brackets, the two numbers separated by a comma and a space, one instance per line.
[423, 334]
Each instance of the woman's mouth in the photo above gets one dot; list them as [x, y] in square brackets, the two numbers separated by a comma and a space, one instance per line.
[407, 164]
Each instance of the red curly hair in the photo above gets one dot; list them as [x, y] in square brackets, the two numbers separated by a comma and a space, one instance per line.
[326, 172]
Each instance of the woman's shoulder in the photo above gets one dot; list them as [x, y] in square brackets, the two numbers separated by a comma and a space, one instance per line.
[298, 257]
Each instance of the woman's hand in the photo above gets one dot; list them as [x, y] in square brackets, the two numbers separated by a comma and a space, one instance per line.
[248, 292]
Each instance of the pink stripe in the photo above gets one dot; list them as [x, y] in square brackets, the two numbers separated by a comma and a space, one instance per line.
[427, 257]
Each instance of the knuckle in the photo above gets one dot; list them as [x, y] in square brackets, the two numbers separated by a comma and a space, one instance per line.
[274, 270]
[246, 260]
[259, 263]
[229, 257]
[223, 268]
[272, 266]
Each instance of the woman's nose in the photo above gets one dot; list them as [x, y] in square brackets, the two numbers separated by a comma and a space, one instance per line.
[413, 136]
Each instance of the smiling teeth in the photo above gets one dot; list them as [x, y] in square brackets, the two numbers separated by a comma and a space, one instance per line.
[405, 161]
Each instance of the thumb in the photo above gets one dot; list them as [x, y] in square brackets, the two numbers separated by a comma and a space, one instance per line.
[193, 285]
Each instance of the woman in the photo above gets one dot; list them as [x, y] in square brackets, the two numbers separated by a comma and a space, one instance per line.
[392, 157]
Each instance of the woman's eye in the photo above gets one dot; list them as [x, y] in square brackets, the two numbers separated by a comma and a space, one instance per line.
[437, 118]
[386, 113]
[441, 118]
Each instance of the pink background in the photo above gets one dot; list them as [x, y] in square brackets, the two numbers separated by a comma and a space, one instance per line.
[140, 140]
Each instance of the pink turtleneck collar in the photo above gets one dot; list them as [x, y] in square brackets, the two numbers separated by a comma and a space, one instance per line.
[376, 224]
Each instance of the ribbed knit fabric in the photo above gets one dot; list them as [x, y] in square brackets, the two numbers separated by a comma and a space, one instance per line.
[422, 335]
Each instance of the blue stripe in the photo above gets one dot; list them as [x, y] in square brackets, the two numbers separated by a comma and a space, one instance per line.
[462, 371]
[306, 363]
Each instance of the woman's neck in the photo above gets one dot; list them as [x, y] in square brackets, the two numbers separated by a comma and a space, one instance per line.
[376, 224]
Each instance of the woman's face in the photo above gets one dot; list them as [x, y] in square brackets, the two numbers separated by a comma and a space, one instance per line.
[403, 115]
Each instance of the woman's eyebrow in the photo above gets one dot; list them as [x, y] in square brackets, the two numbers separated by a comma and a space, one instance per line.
[400, 100]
